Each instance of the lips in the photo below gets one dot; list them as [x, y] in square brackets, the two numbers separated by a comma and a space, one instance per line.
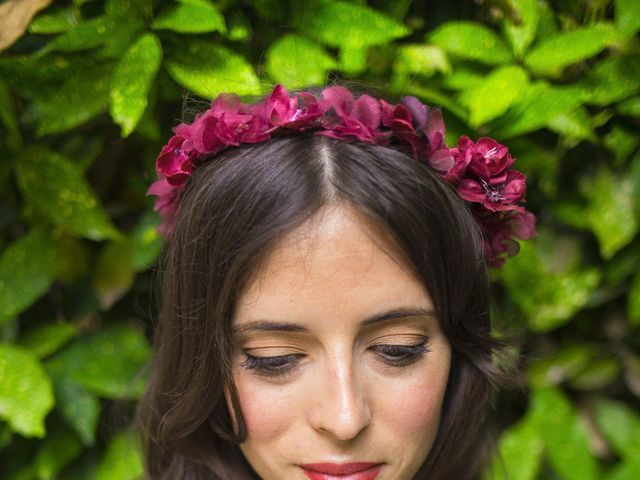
[342, 471]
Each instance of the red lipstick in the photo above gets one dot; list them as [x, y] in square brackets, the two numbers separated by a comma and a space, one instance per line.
[342, 471]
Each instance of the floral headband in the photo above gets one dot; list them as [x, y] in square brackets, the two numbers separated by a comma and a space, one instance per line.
[481, 172]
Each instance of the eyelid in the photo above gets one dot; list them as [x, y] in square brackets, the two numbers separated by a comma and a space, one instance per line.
[272, 366]
[396, 355]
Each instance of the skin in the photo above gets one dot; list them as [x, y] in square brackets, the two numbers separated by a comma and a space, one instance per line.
[338, 399]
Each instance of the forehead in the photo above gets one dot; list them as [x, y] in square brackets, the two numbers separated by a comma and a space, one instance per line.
[340, 265]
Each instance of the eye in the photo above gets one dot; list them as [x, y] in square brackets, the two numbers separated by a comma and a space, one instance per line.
[272, 366]
[401, 355]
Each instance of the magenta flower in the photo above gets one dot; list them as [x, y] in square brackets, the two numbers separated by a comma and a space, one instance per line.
[233, 129]
[346, 117]
[500, 234]
[481, 172]
[166, 203]
[173, 162]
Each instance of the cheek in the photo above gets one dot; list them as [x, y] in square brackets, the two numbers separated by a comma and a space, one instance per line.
[258, 398]
[412, 408]
[421, 404]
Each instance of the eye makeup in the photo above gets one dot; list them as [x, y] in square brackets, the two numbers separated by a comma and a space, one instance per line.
[394, 355]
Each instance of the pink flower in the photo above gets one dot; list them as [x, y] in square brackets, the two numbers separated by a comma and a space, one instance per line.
[481, 171]
[408, 118]
[500, 234]
[233, 129]
[282, 110]
[307, 113]
[400, 120]
[482, 174]
[348, 117]
[166, 203]
[173, 162]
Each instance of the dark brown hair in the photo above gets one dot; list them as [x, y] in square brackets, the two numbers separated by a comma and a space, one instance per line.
[232, 213]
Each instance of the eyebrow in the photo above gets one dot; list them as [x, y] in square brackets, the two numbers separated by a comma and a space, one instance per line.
[274, 326]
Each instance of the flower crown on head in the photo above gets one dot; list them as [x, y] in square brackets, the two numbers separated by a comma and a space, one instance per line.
[481, 172]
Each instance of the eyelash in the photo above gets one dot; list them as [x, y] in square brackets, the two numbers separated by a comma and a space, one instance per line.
[394, 355]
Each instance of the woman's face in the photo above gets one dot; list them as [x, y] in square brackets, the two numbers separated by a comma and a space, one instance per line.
[339, 358]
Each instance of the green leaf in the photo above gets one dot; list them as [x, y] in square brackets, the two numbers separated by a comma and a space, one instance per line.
[122, 459]
[521, 31]
[26, 396]
[114, 274]
[78, 99]
[630, 107]
[55, 187]
[57, 21]
[563, 365]
[620, 425]
[574, 125]
[537, 108]
[272, 10]
[296, 61]
[131, 81]
[552, 55]
[599, 374]
[43, 340]
[342, 24]
[611, 210]
[627, 16]
[27, 269]
[611, 80]
[634, 301]
[57, 451]
[208, 70]
[564, 435]
[106, 363]
[463, 77]
[471, 41]
[492, 97]
[548, 281]
[519, 455]
[148, 126]
[239, 27]
[353, 60]
[621, 142]
[89, 34]
[191, 16]
[146, 242]
[79, 408]
[132, 8]
[627, 470]
[421, 59]
[6, 435]
[9, 119]
[548, 25]
[73, 258]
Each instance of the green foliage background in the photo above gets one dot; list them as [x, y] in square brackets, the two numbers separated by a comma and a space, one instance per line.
[87, 99]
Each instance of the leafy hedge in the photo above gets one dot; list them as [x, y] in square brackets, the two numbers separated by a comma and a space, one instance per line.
[89, 92]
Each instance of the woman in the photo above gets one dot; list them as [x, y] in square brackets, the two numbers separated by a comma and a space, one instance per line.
[325, 308]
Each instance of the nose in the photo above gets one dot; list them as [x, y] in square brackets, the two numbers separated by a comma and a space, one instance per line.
[340, 404]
